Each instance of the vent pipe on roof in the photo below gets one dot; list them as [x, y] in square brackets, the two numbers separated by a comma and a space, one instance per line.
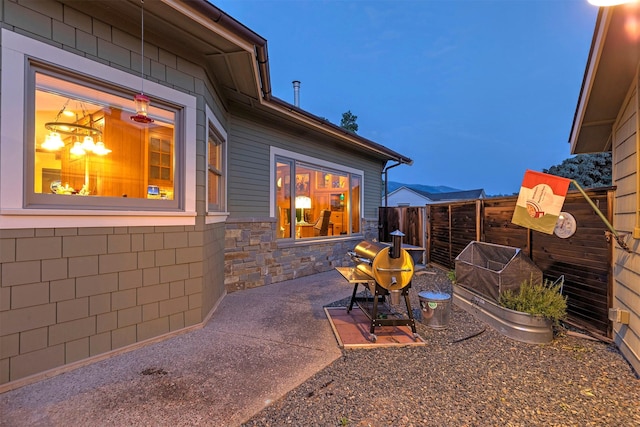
[296, 93]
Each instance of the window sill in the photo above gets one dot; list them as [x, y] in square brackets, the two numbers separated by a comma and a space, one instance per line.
[50, 218]
[216, 217]
[289, 243]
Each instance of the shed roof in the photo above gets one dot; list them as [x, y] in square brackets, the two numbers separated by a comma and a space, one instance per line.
[457, 195]
[440, 197]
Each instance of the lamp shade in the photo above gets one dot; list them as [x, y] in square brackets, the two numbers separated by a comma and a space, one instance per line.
[303, 202]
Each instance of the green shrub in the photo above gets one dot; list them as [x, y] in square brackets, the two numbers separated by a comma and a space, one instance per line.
[451, 275]
[544, 300]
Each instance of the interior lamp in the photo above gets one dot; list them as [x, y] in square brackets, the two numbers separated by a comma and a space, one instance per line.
[77, 149]
[52, 142]
[302, 203]
[100, 149]
[88, 144]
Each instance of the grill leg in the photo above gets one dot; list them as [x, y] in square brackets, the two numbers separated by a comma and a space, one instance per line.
[412, 321]
[374, 314]
[353, 297]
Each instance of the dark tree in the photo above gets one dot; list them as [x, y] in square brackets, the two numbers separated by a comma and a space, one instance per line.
[589, 170]
[348, 122]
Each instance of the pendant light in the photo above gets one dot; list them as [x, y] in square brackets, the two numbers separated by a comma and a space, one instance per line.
[72, 127]
[142, 101]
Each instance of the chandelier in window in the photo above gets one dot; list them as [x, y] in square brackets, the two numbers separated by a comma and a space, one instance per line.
[80, 127]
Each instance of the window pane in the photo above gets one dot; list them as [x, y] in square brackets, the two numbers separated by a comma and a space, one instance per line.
[91, 147]
[154, 172]
[155, 158]
[284, 214]
[213, 156]
[165, 174]
[215, 174]
[355, 203]
[214, 194]
[321, 201]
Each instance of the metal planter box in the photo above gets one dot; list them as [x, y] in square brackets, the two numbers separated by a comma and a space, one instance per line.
[516, 325]
[490, 269]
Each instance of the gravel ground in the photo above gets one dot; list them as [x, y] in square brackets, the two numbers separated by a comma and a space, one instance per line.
[463, 379]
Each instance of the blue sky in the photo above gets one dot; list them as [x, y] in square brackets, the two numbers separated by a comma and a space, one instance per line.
[474, 91]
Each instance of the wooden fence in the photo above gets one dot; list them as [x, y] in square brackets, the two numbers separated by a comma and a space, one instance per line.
[583, 259]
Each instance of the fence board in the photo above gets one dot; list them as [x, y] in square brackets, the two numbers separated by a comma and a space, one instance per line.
[584, 259]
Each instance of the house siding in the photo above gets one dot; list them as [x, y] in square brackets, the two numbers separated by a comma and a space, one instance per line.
[213, 240]
[69, 294]
[97, 290]
[249, 165]
[253, 255]
[626, 268]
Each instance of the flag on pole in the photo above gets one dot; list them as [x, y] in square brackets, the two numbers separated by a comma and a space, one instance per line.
[540, 201]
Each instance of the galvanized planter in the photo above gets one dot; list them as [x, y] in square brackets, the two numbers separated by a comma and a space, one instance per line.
[516, 325]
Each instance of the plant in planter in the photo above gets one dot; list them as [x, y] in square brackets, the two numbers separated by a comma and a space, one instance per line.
[541, 300]
[451, 275]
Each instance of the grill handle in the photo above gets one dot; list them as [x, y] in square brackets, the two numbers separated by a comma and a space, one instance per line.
[356, 258]
[393, 269]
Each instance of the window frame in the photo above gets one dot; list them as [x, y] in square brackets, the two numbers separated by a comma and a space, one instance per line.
[279, 153]
[216, 212]
[35, 200]
[18, 52]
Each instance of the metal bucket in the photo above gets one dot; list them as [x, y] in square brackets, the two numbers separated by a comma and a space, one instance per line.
[436, 309]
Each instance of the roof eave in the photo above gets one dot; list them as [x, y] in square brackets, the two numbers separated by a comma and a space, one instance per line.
[326, 127]
[611, 67]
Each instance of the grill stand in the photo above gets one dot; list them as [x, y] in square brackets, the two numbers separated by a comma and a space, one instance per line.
[379, 294]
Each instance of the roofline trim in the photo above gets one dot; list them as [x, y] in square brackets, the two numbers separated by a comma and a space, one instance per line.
[595, 52]
[229, 23]
[327, 127]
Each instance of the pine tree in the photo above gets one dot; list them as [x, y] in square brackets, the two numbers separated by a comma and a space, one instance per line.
[589, 170]
[348, 122]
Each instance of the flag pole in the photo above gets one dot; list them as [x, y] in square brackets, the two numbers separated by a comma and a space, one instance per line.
[613, 231]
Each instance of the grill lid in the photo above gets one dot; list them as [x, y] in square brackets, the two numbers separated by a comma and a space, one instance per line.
[376, 262]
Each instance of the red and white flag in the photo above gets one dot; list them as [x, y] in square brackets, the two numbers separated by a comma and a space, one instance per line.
[540, 201]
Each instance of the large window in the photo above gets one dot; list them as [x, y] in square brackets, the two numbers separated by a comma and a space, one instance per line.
[72, 156]
[86, 145]
[314, 200]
